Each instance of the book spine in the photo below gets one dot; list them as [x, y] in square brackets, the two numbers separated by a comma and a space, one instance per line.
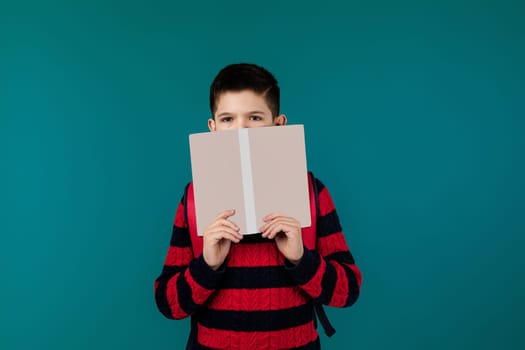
[247, 181]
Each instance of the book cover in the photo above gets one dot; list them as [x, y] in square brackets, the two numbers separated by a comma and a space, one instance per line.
[256, 171]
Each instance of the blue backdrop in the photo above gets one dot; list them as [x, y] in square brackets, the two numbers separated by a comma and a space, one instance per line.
[414, 119]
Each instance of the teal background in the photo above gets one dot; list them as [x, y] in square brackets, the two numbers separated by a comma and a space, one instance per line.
[414, 119]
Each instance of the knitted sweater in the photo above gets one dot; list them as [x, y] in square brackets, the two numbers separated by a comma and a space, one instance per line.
[257, 299]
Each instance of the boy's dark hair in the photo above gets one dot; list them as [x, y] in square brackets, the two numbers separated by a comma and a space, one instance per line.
[246, 76]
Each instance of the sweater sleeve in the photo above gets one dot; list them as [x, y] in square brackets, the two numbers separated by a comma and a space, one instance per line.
[186, 282]
[329, 273]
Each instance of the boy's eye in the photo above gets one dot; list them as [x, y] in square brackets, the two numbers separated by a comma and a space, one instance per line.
[256, 118]
[226, 119]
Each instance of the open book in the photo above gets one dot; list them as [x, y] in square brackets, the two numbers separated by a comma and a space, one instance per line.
[256, 171]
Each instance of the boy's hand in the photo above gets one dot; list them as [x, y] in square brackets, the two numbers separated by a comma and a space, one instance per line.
[287, 233]
[217, 238]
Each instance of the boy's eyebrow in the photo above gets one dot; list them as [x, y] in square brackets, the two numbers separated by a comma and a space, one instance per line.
[228, 113]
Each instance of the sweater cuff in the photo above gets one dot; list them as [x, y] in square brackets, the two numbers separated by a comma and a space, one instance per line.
[306, 269]
[204, 274]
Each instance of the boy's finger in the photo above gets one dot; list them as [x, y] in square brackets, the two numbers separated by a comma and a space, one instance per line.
[285, 220]
[226, 233]
[273, 229]
[223, 226]
[225, 214]
[268, 227]
[227, 229]
[272, 216]
[233, 231]
[229, 224]
[269, 217]
[224, 222]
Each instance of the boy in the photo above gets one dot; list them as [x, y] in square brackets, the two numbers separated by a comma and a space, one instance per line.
[256, 291]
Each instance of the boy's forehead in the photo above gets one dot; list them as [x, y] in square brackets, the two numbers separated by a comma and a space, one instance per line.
[243, 100]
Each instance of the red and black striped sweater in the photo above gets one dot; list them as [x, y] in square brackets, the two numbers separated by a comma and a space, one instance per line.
[257, 299]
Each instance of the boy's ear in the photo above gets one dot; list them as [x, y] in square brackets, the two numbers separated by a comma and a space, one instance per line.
[211, 124]
[280, 120]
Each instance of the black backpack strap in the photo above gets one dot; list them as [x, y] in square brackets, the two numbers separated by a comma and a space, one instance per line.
[316, 195]
[318, 307]
[329, 330]
[185, 204]
[192, 338]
